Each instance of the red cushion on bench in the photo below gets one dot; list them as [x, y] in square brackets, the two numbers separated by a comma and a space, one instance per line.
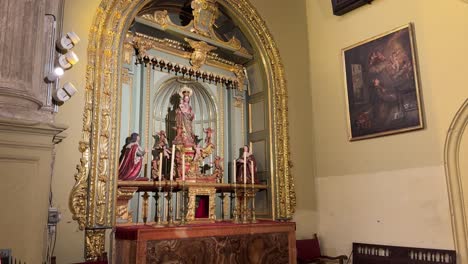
[308, 249]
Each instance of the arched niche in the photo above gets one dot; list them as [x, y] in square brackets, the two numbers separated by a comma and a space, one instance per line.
[456, 170]
[203, 104]
[92, 198]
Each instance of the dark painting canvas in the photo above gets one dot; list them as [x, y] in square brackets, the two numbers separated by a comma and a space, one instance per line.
[382, 85]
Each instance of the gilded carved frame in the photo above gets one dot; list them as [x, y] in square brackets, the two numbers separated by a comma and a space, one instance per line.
[92, 198]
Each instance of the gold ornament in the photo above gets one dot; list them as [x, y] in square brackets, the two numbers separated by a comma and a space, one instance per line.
[92, 197]
[200, 50]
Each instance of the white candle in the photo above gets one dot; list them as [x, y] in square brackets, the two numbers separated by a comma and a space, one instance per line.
[250, 148]
[234, 171]
[245, 167]
[160, 165]
[172, 162]
[252, 171]
[183, 166]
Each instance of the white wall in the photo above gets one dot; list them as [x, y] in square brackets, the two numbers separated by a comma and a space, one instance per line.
[401, 207]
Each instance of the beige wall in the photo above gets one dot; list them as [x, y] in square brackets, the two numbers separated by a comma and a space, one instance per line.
[288, 24]
[384, 190]
[392, 189]
[25, 160]
[78, 17]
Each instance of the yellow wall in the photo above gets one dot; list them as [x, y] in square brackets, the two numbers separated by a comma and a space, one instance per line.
[392, 189]
[293, 48]
[77, 17]
[25, 179]
[384, 190]
[288, 24]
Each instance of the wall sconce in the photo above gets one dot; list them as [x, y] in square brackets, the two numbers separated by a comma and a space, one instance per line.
[65, 93]
[67, 60]
[68, 41]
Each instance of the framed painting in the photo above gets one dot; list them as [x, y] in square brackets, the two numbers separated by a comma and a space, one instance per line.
[341, 7]
[382, 90]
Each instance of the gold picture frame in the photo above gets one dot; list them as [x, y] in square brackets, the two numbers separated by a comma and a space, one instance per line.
[382, 85]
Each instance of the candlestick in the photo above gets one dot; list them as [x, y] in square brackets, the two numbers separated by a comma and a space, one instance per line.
[244, 209]
[234, 171]
[245, 167]
[145, 207]
[172, 162]
[158, 214]
[183, 166]
[170, 216]
[183, 219]
[252, 172]
[235, 211]
[160, 165]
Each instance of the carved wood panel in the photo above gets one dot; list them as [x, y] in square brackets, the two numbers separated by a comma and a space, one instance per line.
[259, 248]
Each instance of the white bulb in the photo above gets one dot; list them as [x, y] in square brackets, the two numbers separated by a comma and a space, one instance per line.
[55, 74]
[58, 71]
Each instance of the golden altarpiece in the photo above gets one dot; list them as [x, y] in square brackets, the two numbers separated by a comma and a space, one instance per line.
[179, 93]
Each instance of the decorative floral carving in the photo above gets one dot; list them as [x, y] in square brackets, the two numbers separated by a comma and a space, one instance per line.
[92, 195]
[94, 246]
[159, 17]
[200, 50]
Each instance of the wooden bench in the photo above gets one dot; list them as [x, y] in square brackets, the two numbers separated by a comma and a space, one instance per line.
[382, 254]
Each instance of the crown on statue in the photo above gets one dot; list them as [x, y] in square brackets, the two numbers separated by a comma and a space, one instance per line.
[185, 90]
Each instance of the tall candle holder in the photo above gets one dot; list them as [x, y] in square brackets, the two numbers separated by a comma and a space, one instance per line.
[145, 207]
[253, 219]
[252, 173]
[244, 209]
[223, 196]
[157, 197]
[235, 211]
[183, 219]
[170, 215]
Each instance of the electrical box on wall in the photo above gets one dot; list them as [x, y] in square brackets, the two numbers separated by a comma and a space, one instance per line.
[54, 216]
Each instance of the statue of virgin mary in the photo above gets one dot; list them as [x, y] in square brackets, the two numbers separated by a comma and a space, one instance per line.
[185, 116]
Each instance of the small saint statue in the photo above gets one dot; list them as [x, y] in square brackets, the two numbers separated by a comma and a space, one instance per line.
[160, 153]
[246, 156]
[218, 169]
[132, 159]
[209, 134]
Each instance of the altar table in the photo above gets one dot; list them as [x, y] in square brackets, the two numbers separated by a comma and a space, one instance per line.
[265, 242]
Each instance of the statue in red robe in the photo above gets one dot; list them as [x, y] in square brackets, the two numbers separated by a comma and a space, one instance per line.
[132, 159]
[250, 160]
